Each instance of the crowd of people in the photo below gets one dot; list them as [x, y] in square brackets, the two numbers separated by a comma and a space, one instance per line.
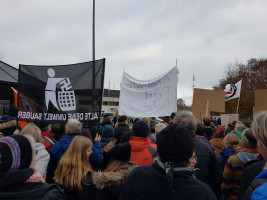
[134, 159]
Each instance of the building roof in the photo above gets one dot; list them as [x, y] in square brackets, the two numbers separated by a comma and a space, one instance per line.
[8, 74]
[111, 93]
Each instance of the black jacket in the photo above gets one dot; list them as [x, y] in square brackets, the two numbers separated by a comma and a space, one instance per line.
[120, 129]
[87, 192]
[209, 168]
[150, 182]
[249, 174]
[13, 186]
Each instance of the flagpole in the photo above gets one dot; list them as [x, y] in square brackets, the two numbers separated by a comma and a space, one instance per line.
[93, 45]
[239, 99]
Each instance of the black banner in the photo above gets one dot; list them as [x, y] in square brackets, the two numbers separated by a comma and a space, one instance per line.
[57, 93]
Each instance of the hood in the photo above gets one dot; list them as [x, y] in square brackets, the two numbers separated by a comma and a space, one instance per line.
[217, 143]
[7, 179]
[39, 146]
[105, 141]
[227, 152]
[139, 143]
[245, 157]
[108, 147]
[105, 179]
[7, 124]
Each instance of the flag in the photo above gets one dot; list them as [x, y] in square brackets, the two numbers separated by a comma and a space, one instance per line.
[232, 91]
[61, 92]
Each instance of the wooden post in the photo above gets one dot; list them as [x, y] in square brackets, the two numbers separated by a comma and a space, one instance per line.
[207, 108]
[237, 106]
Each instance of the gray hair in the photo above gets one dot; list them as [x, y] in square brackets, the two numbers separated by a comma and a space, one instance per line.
[186, 119]
[259, 127]
[74, 126]
[159, 127]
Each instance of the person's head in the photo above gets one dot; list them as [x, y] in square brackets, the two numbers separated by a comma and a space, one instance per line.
[108, 132]
[220, 131]
[58, 130]
[200, 128]
[73, 126]
[248, 140]
[141, 129]
[175, 145]
[212, 125]
[172, 115]
[17, 152]
[186, 119]
[118, 155]
[34, 131]
[240, 127]
[106, 121]
[159, 127]
[259, 130]
[206, 121]
[122, 119]
[44, 126]
[74, 164]
[152, 125]
[231, 140]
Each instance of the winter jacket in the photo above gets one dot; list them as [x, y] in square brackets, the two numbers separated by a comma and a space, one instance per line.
[13, 186]
[41, 159]
[209, 132]
[261, 192]
[109, 184]
[8, 125]
[150, 182]
[256, 183]
[59, 148]
[233, 172]
[87, 193]
[120, 129]
[209, 169]
[47, 144]
[218, 145]
[140, 154]
[249, 175]
[126, 136]
[225, 154]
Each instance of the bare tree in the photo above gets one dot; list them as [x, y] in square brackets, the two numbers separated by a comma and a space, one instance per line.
[254, 76]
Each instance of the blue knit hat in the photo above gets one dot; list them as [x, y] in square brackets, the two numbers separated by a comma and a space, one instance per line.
[108, 131]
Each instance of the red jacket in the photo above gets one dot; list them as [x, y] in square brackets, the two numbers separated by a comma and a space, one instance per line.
[140, 154]
[47, 144]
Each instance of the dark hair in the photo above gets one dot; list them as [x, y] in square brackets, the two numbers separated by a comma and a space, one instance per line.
[200, 129]
[106, 121]
[206, 121]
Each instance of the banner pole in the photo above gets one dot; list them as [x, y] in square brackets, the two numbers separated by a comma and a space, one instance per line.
[239, 98]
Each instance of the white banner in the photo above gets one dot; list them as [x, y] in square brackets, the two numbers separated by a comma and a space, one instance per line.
[232, 91]
[149, 98]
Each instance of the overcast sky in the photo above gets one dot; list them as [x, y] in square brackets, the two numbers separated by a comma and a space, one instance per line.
[144, 37]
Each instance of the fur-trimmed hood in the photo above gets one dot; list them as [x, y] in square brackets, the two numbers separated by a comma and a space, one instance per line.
[105, 179]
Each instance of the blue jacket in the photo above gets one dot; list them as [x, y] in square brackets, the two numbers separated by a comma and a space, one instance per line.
[225, 154]
[261, 192]
[60, 147]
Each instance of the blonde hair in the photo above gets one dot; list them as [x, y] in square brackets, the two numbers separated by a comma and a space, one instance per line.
[159, 127]
[74, 164]
[34, 131]
[259, 127]
[231, 140]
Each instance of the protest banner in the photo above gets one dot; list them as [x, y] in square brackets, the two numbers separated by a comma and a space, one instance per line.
[205, 101]
[149, 98]
[229, 118]
[260, 101]
[61, 92]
